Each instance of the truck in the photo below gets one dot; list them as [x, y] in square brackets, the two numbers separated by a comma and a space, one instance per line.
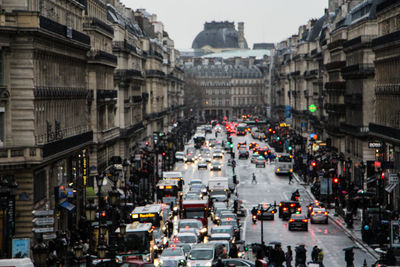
[195, 209]
[174, 176]
[218, 186]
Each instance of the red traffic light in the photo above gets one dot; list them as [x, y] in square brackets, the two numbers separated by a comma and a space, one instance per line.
[383, 175]
[147, 143]
[313, 164]
[163, 154]
[269, 130]
[103, 214]
[335, 180]
[273, 132]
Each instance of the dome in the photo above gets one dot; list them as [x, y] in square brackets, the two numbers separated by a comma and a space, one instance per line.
[219, 35]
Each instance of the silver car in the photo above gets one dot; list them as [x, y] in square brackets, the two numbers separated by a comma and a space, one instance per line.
[319, 215]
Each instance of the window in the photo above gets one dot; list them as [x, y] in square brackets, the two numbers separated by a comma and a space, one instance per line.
[39, 185]
[227, 102]
[2, 125]
[220, 102]
[213, 102]
[213, 91]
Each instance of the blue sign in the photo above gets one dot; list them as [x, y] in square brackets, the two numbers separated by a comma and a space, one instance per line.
[20, 248]
[288, 112]
[312, 135]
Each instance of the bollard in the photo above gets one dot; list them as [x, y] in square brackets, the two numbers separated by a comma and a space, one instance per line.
[365, 263]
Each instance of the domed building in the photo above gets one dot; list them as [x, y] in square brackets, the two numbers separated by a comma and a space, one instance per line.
[220, 36]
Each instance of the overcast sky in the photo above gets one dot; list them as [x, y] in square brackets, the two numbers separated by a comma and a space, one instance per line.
[264, 20]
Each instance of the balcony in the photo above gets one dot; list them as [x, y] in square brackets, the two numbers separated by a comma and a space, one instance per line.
[358, 71]
[387, 89]
[336, 44]
[63, 145]
[95, 22]
[353, 129]
[354, 101]
[339, 109]
[310, 74]
[108, 135]
[127, 75]
[335, 65]
[62, 30]
[386, 39]
[107, 95]
[385, 132]
[155, 74]
[124, 46]
[129, 131]
[100, 55]
[336, 87]
[136, 99]
[364, 40]
[295, 73]
[385, 4]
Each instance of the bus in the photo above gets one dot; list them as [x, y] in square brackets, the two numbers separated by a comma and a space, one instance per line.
[284, 163]
[174, 176]
[241, 129]
[195, 209]
[151, 213]
[199, 140]
[168, 192]
[139, 241]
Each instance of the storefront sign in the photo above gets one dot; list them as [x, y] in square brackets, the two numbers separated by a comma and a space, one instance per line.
[42, 221]
[374, 144]
[49, 236]
[393, 178]
[84, 168]
[43, 230]
[42, 212]
[21, 248]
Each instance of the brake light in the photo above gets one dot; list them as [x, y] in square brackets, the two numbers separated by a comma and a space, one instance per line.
[291, 205]
[291, 220]
[312, 213]
[280, 204]
[284, 209]
[326, 213]
[273, 212]
[299, 209]
[305, 220]
[254, 216]
[259, 211]
[310, 208]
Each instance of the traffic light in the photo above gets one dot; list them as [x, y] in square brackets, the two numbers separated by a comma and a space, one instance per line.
[269, 130]
[147, 143]
[314, 164]
[278, 138]
[273, 131]
[231, 145]
[163, 154]
[103, 216]
[335, 180]
[290, 148]
[383, 175]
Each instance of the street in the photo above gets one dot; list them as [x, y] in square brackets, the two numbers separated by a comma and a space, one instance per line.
[272, 188]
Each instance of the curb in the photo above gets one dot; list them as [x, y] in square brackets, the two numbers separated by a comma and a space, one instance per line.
[349, 233]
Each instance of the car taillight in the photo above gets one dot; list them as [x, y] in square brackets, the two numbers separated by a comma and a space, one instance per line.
[291, 205]
[299, 209]
[291, 220]
[284, 209]
[312, 213]
[310, 208]
[273, 212]
[305, 220]
[259, 211]
[326, 213]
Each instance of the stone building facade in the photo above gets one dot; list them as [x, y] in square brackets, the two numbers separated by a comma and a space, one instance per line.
[83, 82]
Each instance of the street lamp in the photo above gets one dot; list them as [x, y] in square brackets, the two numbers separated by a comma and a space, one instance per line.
[78, 252]
[125, 165]
[90, 211]
[101, 251]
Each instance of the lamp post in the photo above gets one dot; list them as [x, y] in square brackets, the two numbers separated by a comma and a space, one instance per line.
[99, 180]
[90, 213]
[125, 165]
[78, 253]
[40, 253]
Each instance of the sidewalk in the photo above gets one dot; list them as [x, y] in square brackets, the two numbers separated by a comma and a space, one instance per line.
[354, 234]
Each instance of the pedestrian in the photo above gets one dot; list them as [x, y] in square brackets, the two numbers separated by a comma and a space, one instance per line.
[314, 254]
[349, 257]
[320, 257]
[301, 256]
[290, 178]
[280, 256]
[233, 253]
[224, 252]
[254, 179]
[219, 263]
[289, 256]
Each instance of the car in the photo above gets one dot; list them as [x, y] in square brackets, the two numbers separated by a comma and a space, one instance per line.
[218, 129]
[221, 236]
[298, 221]
[201, 188]
[204, 255]
[190, 158]
[185, 224]
[224, 229]
[227, 146]
[238, 262]
[220, 242]
[319, 215]
[212, 142]
[234, 223]
[228, 215]
[311, 206]
[260, 162]
[180, 156]
[195, 181]
[215, 165]
[259, 136]
[218, 154]
[243, 153]
[130, 261]
[241, 145]
[219, 198]
[208, 129]
[172, 263]
[253, 146]
[202, 164]
[254, 158]
[192, 196]
[185, 240]
[265, 211]
[173, 252]
[286, 208]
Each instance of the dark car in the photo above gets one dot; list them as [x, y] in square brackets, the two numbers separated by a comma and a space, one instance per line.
[241, 145]
[243, 153]
[287, 208]
[266, 211]
[298, 222]
[238, 262]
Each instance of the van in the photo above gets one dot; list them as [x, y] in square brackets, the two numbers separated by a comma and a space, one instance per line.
[284, 163]
[203, 255]
[25, 262]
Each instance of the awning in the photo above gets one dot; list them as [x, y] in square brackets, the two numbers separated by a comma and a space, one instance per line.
[389, 188]
[68, 206]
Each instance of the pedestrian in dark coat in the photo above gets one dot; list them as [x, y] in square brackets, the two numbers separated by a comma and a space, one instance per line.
[280, 256]
[289, 256]
[314, 254]
[301, 256]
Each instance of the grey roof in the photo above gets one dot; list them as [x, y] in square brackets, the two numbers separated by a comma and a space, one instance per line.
[316, 29]
[218, 35]
[114, 16]
[267, 46]
[364, 10]
[225, 71]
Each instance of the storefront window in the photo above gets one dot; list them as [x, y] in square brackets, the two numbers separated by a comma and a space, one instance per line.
[39, 185]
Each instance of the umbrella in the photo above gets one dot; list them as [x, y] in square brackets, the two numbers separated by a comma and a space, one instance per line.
[350, 248]
[275, 243]
[344, 192]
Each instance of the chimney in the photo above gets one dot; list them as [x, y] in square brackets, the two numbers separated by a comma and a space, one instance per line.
[241, 35]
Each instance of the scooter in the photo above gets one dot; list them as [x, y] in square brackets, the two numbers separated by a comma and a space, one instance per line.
[254, 218]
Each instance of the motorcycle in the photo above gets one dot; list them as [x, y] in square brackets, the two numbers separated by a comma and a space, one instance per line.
[254, 218]
[295, 196]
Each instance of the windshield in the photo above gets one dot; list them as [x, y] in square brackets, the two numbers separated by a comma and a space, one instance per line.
[187, 239]
[172, 252]
[194, 213]
[233, 223]
[169, 263]
[137, 241]
[220, 231]
[284, 159]
[189, 224]
[203, 254]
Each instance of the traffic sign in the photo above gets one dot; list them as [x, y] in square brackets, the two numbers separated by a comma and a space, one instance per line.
[42, 221]
[42, 212]
[43, 230]
[49, 236]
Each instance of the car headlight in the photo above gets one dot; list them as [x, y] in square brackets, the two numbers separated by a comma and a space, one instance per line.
[217, 218]
[155, 247]
[163, 228]
[209, 264]
[203, 230]
[175, 208]
[161, 262]
[189, 264]
[240, 254]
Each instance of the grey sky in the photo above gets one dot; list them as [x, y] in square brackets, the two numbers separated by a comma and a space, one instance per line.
[264, 20]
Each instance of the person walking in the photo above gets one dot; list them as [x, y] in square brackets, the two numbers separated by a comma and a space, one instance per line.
[289, 256]
[320, 257]
[301, 256]
[280, 256]
[290, 178]
[314, 254]
[254, 179]
[349, 257]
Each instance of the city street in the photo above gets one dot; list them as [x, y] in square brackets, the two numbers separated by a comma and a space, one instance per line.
[271, 188]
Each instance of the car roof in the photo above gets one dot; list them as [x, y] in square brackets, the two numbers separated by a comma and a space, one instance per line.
[298, 216]
[189, 220]
[204, 246]
[186, 234]
[319, 209]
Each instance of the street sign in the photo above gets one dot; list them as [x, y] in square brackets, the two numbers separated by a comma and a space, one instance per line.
[49, 236]
[42, 221]
[42, 212]
[43, 230]
[393, 178]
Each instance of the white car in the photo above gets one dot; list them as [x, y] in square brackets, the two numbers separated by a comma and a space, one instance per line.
[201, 255]
[185, 240]
[180, 156]
[173, 252]
[216, 166]
[218, 154]
[195, 181]
[319, 215]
